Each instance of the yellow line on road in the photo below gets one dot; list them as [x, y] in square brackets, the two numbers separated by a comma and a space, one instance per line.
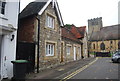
[78, 71]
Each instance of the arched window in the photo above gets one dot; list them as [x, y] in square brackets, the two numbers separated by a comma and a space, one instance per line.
[102, 46]
[93, 46]
[111, 42]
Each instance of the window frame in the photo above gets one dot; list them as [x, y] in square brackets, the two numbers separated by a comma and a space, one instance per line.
[50, 49]
[2, 7]
[50, 22]
[93, 46]
[68, 50]
[79, 51]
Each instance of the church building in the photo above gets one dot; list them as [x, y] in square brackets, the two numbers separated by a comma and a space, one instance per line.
[103, 40]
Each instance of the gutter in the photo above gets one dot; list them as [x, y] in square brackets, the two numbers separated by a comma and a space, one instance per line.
[38, 47]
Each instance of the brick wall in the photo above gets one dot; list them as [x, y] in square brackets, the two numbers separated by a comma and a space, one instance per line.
[26, 29]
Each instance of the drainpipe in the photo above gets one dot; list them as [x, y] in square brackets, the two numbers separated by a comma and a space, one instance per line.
[38, 38]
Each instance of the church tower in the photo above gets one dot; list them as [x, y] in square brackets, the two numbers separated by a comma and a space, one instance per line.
[94, 25]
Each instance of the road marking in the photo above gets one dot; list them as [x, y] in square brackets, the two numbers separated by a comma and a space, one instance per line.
[61, 69]
[95, 78]
[103, 57]
[106, 78]
[78, 71]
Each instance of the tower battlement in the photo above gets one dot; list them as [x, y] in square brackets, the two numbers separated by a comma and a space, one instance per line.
[94, 25]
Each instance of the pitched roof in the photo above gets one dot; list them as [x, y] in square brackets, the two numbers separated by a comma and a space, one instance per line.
[38, 7]
[106, 33]
[32, 9]
[73, 33]
[81, 30]
[68, 34]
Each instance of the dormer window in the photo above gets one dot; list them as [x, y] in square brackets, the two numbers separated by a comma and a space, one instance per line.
[2, 7]
[50, 21]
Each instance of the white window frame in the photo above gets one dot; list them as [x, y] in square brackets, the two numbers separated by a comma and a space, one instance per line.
[50, 21]
[68, 50]
[50, 49]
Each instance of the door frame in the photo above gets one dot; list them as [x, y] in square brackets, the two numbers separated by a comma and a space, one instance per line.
[75, 58]
[62, 52]
[80, 52]
[0, 56]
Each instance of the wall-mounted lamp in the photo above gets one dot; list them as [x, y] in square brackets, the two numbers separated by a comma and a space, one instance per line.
[12, 38]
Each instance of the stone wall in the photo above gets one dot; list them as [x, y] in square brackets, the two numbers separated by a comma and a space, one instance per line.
[94, 25]
[110, 46]
[72, 44]
[48, 35]
[85, 45]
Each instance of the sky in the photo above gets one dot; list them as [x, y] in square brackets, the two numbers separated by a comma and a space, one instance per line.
[78, 12]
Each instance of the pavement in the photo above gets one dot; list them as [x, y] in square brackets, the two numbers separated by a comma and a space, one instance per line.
[58, 72]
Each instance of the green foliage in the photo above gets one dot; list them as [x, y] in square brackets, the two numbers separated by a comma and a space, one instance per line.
[69, 25]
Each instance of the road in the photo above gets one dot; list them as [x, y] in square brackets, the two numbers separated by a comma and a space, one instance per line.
[102, 68]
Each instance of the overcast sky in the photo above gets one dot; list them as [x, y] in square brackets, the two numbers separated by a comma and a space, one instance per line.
[77, 12]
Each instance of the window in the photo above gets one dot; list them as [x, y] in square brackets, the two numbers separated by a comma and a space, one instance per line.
[111, 42]
[50, 49]
[2, 7]
[50, 22]
[68, 50]
[119, 45]
[102, 46]
[93, 46]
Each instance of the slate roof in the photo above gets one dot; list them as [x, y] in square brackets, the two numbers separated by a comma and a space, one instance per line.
[31, 9]
[106, 33]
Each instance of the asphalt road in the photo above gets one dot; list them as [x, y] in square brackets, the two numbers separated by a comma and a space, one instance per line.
[103, 68]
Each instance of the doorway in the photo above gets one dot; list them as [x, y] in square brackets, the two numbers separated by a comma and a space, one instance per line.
[74, 53]
[62, 52]
[0, 53]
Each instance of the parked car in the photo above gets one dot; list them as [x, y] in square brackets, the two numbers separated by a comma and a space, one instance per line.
[116, 57]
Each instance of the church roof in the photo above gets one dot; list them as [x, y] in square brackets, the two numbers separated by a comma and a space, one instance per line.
[106, 33]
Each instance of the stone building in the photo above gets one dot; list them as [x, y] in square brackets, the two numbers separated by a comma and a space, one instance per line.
[42, 39]
[105, 39]
[94, 25]
[74, 43]
[40, 26]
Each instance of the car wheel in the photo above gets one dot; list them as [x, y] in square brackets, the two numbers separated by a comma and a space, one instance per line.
[118, 60]
[113, 62]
